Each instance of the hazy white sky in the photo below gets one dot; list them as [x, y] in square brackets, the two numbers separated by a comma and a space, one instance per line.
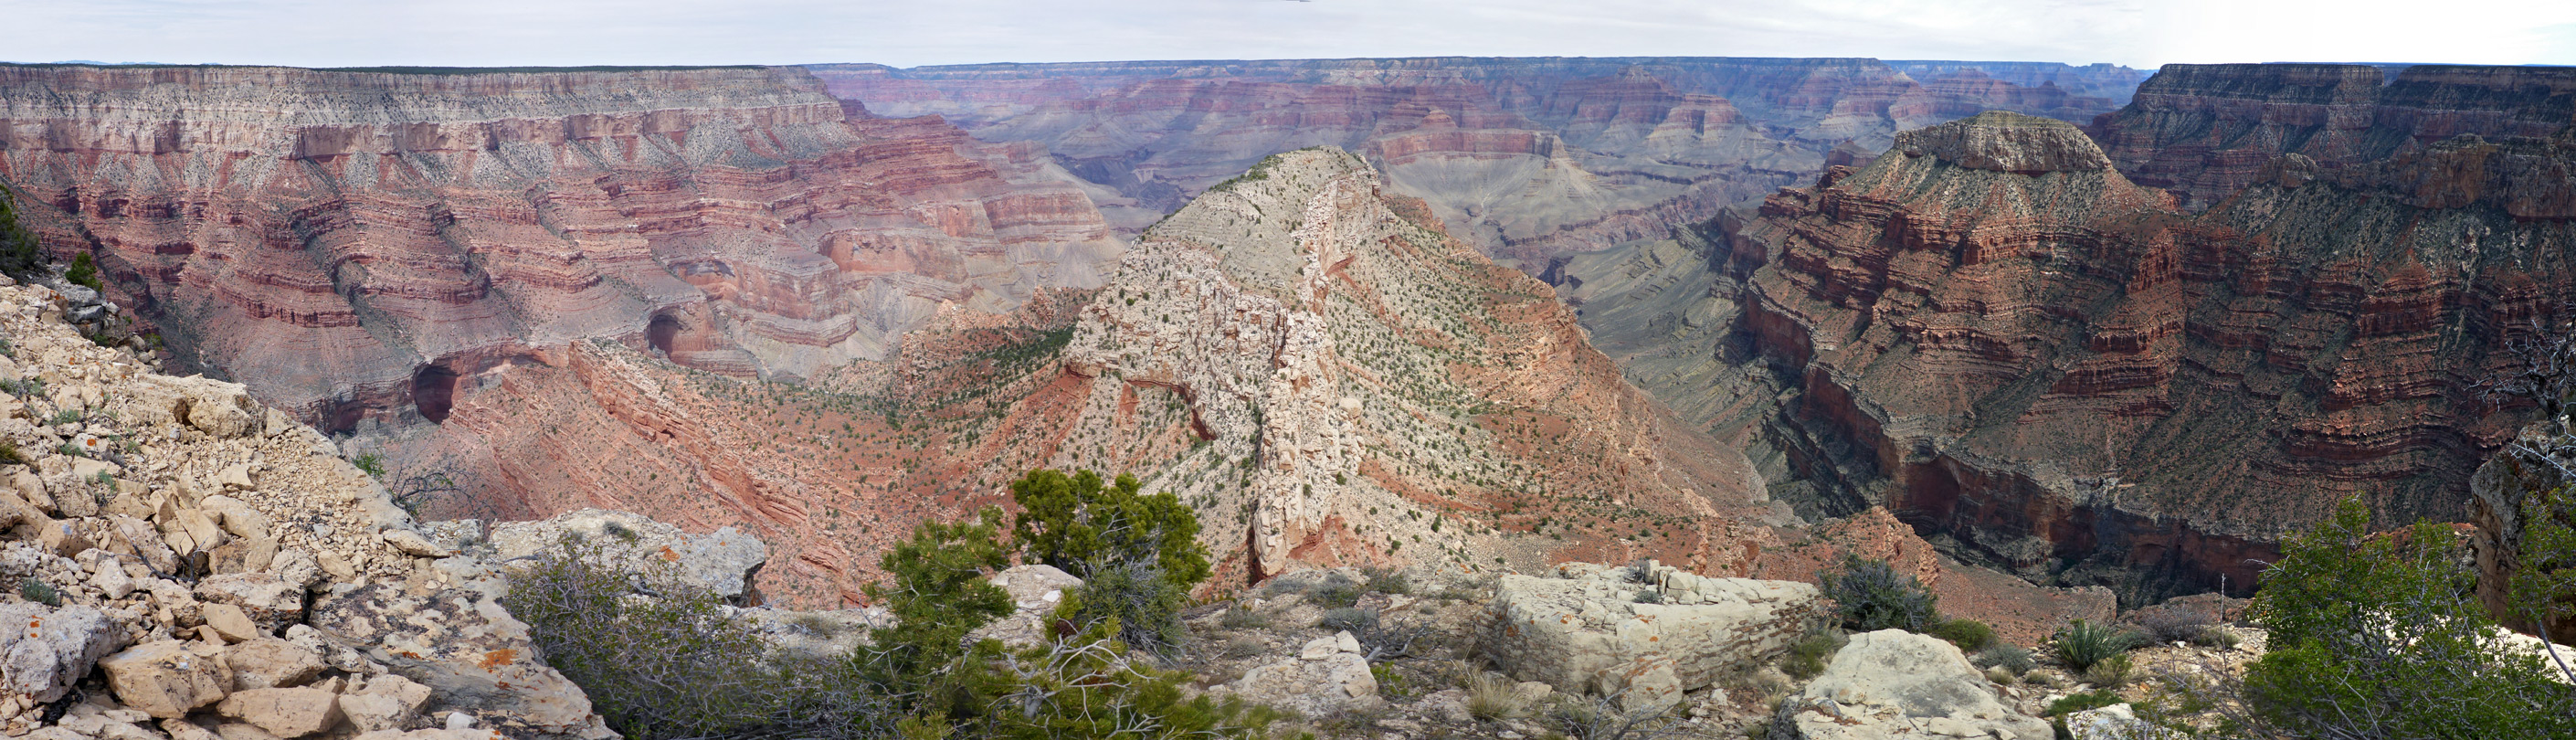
[322, 33]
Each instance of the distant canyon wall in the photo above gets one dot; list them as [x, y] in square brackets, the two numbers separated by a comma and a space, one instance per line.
[1528, 158]
[352, 244]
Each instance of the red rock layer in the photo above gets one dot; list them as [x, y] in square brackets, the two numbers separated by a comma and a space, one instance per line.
[1588, 152]
[343, 241]
[2068, 377]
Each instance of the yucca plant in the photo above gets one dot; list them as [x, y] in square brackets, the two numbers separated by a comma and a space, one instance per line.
[2083, 643]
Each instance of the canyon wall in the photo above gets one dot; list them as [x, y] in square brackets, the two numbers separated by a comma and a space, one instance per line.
[351, 244]
[2206, 130]
[1527, 158]
[2042, 365]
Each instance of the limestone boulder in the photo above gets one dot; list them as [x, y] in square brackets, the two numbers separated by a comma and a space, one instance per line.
[461, 644]
[1646, 635]
[387, 702]
[723, 561]
[2116, 722]
[1327, 676]
[211, 406]
[287, 713]
[1898, 684]
[269, 601]
[1035, 591]
[268, 663]
[168, 678]
[45, 650]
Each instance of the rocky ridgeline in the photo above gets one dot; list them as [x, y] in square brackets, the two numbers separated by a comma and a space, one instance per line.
[1362, 389]
[191, 564]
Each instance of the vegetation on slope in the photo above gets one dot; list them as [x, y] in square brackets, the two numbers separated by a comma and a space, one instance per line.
[673, 664]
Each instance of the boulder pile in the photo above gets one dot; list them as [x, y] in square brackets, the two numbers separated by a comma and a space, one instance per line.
[190, 564]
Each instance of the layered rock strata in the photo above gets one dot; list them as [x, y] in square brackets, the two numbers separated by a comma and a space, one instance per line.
[352, 244]
[1526, 158]
[2208, 130]
[2045, 367]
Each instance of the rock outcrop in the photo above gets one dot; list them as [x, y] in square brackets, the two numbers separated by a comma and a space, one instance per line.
[2059, 373]
[1326, 677]
[189, 555]
[723, 562]
[1526, 158]
[1898, 684]
[1644, 634]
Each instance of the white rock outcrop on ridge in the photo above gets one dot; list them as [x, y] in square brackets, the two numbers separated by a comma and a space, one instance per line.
[1601, 629]
[1898, 684]
[1325, 677]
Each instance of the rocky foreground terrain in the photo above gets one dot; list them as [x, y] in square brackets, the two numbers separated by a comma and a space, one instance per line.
[1996, 332]
[1526, 158]
[190, 563]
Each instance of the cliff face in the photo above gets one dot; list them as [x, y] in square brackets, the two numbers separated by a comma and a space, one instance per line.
[350, 244]
[1528, 159]
[2044, 366]
[2206, 130]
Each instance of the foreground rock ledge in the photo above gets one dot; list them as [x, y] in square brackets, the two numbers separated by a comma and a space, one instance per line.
[1644, 635]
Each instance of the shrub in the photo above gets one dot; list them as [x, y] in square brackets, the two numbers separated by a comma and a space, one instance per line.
[1490, 699]
[1242, 616]
[1389, 582]
[83, 272]
[9, 454]
[20, 255]
[2014, 658]
[1807, 658]
[2083, 643]
[2172, 624]
[1869, 595]
[2109, 673]
[1334, 594]
[2382, 636]
[672, 666]
[40, 592]
[1137, 555]
[1650, 596]
[1085, 688]
[1969, 634]
[1347, 618]
[938, 594]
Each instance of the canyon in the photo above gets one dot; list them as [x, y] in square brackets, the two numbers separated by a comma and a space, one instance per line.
[1529, 159]
[1472, 314]
[2000, 330]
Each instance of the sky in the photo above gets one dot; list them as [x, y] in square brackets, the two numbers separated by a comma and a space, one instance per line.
[337, 33]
